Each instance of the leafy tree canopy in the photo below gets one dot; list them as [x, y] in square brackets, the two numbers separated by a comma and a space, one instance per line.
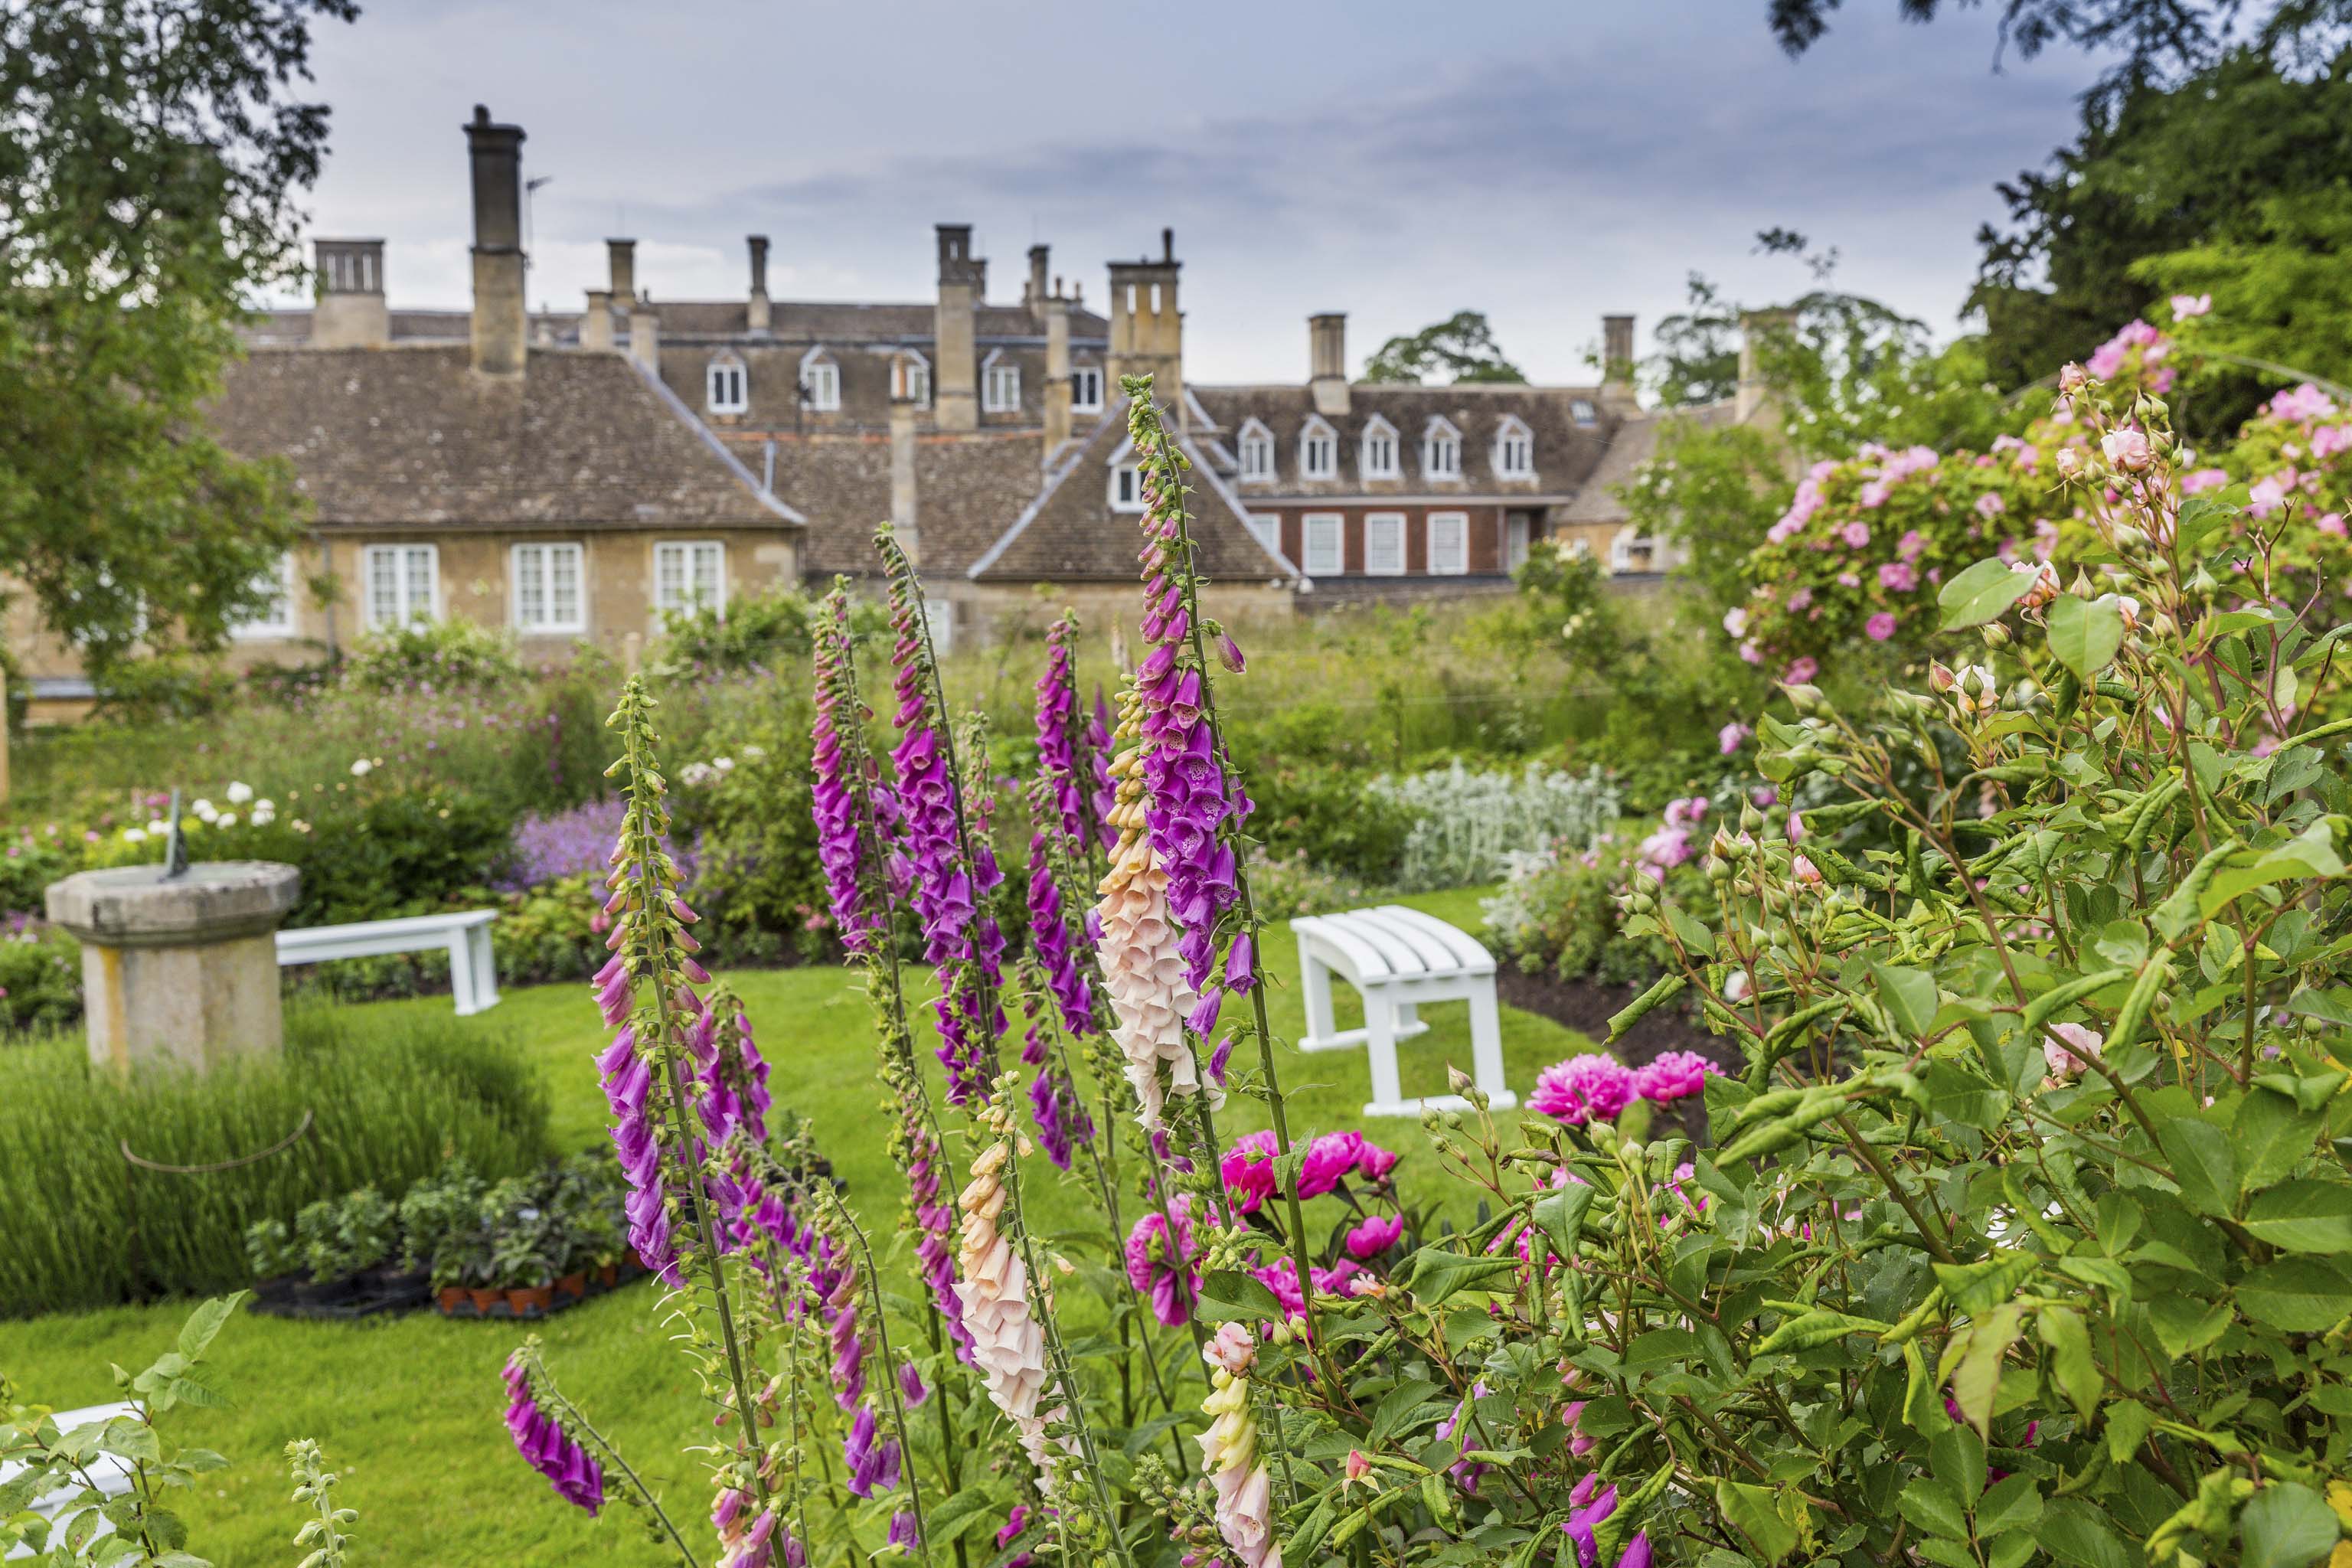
[150, 150]
[1459, 348]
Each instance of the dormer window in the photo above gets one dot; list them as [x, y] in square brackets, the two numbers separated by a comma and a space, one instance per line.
[1515, 450]
[728, 390]
[1126, 488]
[1087, 389]
[820, 382]
[1377, 455]
[999, 384]
[1440, 451]
[1318, 450]
[1257, 454]
[910, 377]
[1581, 409]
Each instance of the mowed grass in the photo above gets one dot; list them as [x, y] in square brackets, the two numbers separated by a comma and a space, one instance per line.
[408, 1409]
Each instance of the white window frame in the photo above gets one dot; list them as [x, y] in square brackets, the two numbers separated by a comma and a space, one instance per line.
[820, 381]
[1255, 447]
[1385, 521]
[408, 563]
[1583, 410]
[727, 385]
[1513, 430]
[999, 384]
[1441, 440]
[1517, 538]
[1456, 561]
[280, 622]
[1333, 527]
[1266, 528]
[1317, 430]
[1126, 491]
[689, 553]
[546, 554]
[1377, 456]
[910, 377]
[1086, 389]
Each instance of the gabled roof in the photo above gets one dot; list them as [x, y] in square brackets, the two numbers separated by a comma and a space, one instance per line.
[1565, 450]
[413, 438]
[1636, 442]
[966, 488]
[1069, 533]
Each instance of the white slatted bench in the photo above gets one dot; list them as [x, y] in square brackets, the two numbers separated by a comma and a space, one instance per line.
[109, 1475]
[473, 973]
[1401, 959]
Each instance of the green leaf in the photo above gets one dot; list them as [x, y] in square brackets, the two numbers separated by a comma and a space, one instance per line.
[2085, 634]
[1909, 997]
[1955, 1456]
[197, 1333]
[2013, 1504]
[2128, 1424]
[1928, 1503]
[2285, 1526]
[2078, 1535]
[1807, 1330]
[2072, 1365]
[1439, 1275]
[2201, 1163]
[1978, 1287]
[2299, 1295]
[1976, 1384]
[2304, 1216]
[1981, 593]
[2185, 1325]
[1754, 1511]
[1229, 1296]
[1561, 1216]
[963, 1508]
[2122, 942]
[2274, 1136]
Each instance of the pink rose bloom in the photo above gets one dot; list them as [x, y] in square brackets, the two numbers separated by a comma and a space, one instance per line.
[1912, 545]
[1800, 599]
[1800, 671]
[1248, 1171]
[1331, 1160]
[1375, 1236]
[1374, 1163]
[1874, 494]
[2267, 496]
[1591, 1084]
[2184, 306]
[1675, 1075]
[1805, 871]
[1795, 826]
[1732, 736]
[2330, 439]
[2331, 523]
[2304, 402]
[1899, 575]
[2127, 450]
[1849, 580]
[1151, 1269]
[1734, 620]
[2068, 1049]
[1989, 504]
[1749, 651]
[1764, 795]
[1856, 535]
[1880, 627]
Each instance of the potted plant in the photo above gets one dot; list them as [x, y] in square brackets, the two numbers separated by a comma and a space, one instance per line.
[367, 1227]
[435, 1218]
[276, 1261]
[326, 1264]
[519, 1259]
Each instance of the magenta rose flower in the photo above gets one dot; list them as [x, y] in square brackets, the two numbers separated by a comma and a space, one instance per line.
[1592, 1085]
[1675, 1075]
[1374, 1235]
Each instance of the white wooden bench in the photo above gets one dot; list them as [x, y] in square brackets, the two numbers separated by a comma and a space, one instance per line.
[109, 1475]
[473, 973]
[1401, 959]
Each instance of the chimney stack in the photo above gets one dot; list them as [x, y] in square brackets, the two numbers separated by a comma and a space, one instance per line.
[1617, 364]
[1326, 359]
[621, 255]
[1147, 329]
[1034, 293]
[495, 154]
[596, 324]
[645, 336]
[1754, 402]
[350, 310]
[756, 318]
[905, 520]
[1057, 370]
[955, 380]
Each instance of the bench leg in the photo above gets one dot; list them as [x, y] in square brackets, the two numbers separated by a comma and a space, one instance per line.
[1486, 1047]
[461, 974]
[1314, 980]
[486, 969]
[1380, 1029]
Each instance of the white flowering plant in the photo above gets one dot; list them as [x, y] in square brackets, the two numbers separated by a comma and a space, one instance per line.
[1468, 822]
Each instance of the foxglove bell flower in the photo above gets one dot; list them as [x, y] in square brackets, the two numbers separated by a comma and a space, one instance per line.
[1059, 730]
[1229, 1451]
[849, 803]
[542, 1439]
[1008, 1345]
[935, 1224]
[1053, 1103]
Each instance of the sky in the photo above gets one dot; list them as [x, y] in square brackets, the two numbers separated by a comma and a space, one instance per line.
[1547, 161]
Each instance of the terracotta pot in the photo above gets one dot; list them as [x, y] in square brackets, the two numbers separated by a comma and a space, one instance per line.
[485, 1299]
[573, 1285]
[525, 1299]
[451, 1298]
[609, 1275]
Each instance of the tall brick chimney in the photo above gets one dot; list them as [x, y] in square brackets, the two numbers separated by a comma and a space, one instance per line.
[905, 516]
[1034, 293]
[1617, 364]
[596, 321]
[621, 256]
[349, 312]
[645, 336]
[1326, 361]
[1147, 329]
[756, 317]
[499, 322]
[955, 380]
[1057, 370]
[1754, 403]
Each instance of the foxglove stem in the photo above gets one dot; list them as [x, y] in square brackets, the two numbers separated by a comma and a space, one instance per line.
[889, 1379]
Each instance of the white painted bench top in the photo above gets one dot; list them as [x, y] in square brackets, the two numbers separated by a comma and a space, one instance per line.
[465, 933]
[1400, 959]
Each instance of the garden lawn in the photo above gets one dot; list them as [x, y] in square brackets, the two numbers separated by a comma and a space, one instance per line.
[408, 1409]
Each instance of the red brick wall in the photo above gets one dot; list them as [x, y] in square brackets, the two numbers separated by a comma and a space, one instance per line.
[1485, 535]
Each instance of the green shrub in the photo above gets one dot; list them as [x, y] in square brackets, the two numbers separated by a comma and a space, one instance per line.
[438, 655]
[757, 632]
[746, 811]
[1330, 815]
[40, 980]
[390, 1097]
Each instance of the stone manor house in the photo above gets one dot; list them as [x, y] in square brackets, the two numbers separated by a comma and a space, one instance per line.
[575, 476]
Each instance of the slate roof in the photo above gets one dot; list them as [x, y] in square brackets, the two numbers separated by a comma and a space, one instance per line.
[413, 439]
[823, 322]
[1566, 450]
[967, 488]
[1069, 533]
[1636, 442]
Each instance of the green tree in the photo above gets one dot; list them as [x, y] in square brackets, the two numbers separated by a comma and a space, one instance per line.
[150, 151]
[1459, 348]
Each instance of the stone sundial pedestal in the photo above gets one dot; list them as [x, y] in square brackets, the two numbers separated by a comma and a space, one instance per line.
[179, 963]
